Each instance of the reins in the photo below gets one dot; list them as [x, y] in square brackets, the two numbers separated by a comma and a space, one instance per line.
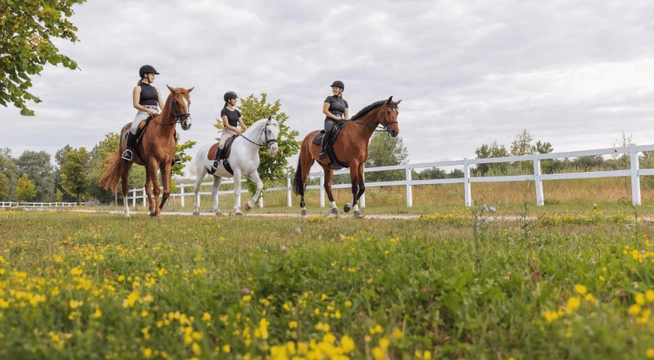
[178, 116]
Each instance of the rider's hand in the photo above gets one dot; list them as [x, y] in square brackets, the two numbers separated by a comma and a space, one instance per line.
[238, 133]
[152, 112]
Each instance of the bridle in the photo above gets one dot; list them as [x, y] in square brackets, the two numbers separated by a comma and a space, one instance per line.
[179, 117]
[384, 126]
[268, 142]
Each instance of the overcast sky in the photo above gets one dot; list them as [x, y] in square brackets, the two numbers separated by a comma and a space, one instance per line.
[576, 73]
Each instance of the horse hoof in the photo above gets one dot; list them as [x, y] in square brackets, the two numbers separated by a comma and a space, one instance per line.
[347, 208]
[196, 213]
[358, 213]
[248, 207]
[304, 212]
[335, 211]
[219, 213]
[238, 213]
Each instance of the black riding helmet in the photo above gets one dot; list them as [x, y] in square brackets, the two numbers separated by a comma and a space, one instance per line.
[147, 69]
[339, 84]
[230, 95]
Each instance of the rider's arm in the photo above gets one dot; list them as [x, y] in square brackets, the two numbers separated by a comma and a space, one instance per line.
[325, 110]
[346, 114]
[136, 98]
[243, 127]
[229, 127]
[161, 103]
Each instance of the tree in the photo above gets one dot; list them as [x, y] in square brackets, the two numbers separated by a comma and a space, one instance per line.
[9, 168]
[4, 187]
[75, 171]
[384, 150]
[37, 166]
[25, 190]
[272, 167]
[28, 29]
[60, 159]
[491, 151]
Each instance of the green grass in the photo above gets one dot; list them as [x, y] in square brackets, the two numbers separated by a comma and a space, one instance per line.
[101, 286]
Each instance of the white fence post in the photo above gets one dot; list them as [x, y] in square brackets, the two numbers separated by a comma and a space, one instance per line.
[260, 201]
[133, 191]
[322, 190]
[540, 199]
[409, 191]
[181, 195]
[467, 190]
[635, 178]
[288, 190]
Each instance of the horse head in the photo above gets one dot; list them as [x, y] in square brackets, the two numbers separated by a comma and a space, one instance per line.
[270, 134]
[389, 115]
[180, 104]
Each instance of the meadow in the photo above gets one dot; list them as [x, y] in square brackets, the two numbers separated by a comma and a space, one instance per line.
[451, 285]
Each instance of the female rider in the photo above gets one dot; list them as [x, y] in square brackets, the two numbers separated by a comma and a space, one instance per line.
[232, 119]
[336, 109]
[147, 100]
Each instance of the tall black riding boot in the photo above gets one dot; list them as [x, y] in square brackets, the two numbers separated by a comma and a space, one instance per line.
[323, 145]
[216, 161]
[129, 146]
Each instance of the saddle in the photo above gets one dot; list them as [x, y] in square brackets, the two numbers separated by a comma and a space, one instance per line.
[334, 163]
[212, 154]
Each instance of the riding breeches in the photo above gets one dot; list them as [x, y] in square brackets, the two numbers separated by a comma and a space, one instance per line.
[329, 127]
[140, 116]
[224, 136]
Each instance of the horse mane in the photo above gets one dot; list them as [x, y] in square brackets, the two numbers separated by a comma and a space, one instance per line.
[257, 125]
[363, 112]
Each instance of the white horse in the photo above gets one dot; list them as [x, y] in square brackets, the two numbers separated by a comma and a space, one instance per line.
[243, 159]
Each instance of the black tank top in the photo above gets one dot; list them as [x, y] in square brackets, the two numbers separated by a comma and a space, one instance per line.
[149, 95]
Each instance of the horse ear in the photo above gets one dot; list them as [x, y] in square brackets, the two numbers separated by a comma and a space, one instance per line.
[398, 102]
[169, 88]
[191, 89]
[390, 100]
[269, 117]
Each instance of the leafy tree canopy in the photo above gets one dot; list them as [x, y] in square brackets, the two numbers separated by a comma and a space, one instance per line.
[28, 29]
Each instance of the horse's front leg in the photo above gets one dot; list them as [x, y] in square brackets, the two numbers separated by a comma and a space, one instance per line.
[237, 192]
[362, 189]
[152, 178]
[165, 170]
[214, 194]
[254, 176]
[354, 176]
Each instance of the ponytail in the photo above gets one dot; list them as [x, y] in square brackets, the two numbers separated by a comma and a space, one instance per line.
[138, 83]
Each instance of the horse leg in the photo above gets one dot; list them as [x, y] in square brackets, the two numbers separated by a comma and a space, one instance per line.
[214, 194]
[148, 189]
[303, 167]
[254, 176]
[329, 177]
[165, 170]
[237, 192]
[354, 174]
[201, 171]
[152, 176]
[362, 189]
[125, 185]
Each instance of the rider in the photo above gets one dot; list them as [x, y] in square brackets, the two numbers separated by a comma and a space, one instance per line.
[231, 120]
[147, 100]
[336, 109]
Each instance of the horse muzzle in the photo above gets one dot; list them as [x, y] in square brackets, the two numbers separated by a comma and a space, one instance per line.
[392, 132]
[186, 123]
[272, 149]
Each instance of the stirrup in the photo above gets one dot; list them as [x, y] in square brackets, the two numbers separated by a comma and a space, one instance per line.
[322, 154]
[215, 165]
[127, 155]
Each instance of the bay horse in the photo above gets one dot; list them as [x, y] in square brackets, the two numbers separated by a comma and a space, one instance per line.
[243, 159]
[351, 150]
[155, 150]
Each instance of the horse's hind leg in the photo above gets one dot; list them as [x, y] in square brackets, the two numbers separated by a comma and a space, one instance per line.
[356, 184]
[329, 177]
[362, 189]
[254, 176]
[154, 191]
[201, 172]
[237, 192]
[125, 186]
[214, 194]
[165, 170]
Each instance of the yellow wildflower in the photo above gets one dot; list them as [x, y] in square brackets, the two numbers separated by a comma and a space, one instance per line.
[196, 349]
[226, 349]
[640, 299]
[292, 324]
[573, 304]
[147, 352]
[580, 289]
[650, 353]
[634, 309]
[206, 316]
[347, 344]
[649, 295]
[97, 314]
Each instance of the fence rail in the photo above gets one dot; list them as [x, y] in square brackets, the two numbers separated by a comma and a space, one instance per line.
[14, 204]
[634, 172]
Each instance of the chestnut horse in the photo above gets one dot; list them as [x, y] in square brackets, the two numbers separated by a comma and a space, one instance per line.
[350, 148]
[156, 150]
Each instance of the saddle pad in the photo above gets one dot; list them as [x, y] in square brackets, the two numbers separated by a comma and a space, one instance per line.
[142, 124]
[318, 138]
[211, 155]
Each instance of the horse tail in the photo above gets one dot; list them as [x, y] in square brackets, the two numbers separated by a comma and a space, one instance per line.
[114, 168]
[298, 184]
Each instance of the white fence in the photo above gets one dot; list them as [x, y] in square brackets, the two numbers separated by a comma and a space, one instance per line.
[13, 204]
[634, 172]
